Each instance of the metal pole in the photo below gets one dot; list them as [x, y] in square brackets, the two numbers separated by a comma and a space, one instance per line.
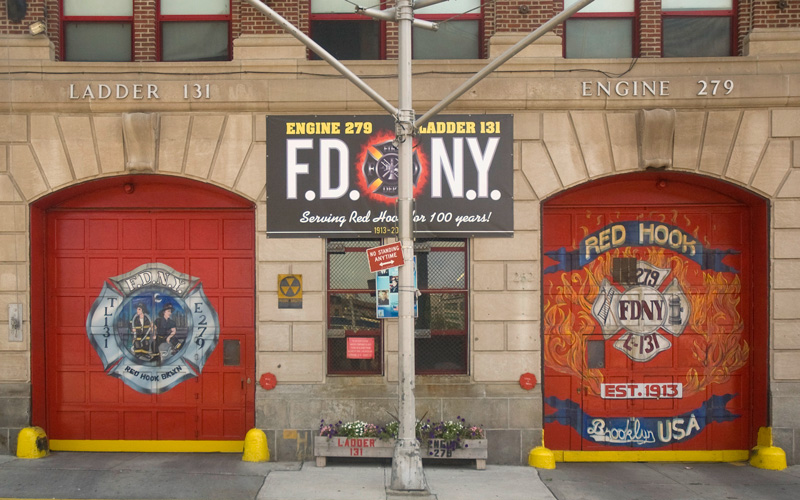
[502, 58]
[407, 471]
[406, 461]
[324, 54]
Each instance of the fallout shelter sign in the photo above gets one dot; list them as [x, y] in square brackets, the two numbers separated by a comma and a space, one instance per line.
[337, 176]
[153, 327]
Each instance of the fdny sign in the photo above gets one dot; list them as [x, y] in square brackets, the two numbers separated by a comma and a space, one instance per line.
[153, 327]
[643, 311]
[337, 176]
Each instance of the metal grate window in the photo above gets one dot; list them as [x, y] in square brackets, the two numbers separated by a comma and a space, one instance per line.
[442, 322]
[441, 339]
[351, 309]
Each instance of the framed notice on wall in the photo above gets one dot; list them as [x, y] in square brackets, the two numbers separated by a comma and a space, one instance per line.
[336, 176]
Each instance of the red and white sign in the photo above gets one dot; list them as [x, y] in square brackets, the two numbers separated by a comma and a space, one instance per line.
[360, 347]
[670, 390]
[385, 257]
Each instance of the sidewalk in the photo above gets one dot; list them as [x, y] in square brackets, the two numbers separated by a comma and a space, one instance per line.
[217, 476]
[70, 475]
[371, 482]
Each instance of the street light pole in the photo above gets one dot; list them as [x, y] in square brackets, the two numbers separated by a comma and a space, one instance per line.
[406, 461]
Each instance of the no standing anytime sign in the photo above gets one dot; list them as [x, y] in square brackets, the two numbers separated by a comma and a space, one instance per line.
[385, 257]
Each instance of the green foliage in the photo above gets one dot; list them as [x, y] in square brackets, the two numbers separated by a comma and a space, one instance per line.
[452, 432]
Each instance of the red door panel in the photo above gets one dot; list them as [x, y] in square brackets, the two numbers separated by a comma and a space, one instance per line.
[85, 247]
[648, 325]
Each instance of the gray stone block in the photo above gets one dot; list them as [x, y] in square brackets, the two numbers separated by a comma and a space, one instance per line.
[304, 414]
[273, 414]
[504, 447]
[529, 440]
[524, 413]
[15, 412]
[785, 412]
[376, 411]
[295, 445]
[5, 443]
[429, 409]
[15, 390]
[491, 413]
[784, 438]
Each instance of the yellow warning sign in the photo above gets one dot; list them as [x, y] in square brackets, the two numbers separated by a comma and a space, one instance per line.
[290, 291]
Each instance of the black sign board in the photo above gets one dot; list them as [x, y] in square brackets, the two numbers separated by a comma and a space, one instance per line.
[336, 176]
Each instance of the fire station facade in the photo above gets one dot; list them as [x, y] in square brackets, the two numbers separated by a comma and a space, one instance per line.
[607, 248]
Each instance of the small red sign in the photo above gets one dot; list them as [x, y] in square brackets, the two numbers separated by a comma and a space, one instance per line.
[385, 257]
[360, 347]
[527, 381]
[268, 381]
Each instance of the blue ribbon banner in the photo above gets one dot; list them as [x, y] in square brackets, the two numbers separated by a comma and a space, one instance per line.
[639, 234]
[641, 432]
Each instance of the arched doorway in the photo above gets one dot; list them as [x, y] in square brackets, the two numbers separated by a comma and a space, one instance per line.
[143, 315]
[655, 319]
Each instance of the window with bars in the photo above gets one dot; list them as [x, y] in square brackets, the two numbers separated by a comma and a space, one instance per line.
[697, 28]
[347, 35]
[351, 308]
[441, 342]
[105, 30]
[603, 29]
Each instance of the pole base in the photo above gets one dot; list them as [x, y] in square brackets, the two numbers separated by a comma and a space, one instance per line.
[407, 472]
[765, 455]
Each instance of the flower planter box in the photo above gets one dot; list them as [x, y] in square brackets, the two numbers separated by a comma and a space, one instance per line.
[473, 449]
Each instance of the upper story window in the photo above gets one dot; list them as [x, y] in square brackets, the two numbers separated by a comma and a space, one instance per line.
[97, 30]
[106, 30]
[347, 35]
[194, 30]
[602, 29]
[697, 28]
[459, 34]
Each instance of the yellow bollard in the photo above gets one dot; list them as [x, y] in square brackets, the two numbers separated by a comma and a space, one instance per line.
[32, 443]
[542, 458]
[255, 446]
[766, 456]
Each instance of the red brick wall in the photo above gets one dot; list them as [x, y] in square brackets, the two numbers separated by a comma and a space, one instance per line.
[649, 28]
[144, 30]
[34, 13]
[766, 14]
[520, 16]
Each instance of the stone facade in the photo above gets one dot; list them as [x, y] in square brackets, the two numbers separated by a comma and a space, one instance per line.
[54, 134]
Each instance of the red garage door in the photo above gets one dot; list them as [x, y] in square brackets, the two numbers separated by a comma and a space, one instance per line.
[148, 313]
[650, 318]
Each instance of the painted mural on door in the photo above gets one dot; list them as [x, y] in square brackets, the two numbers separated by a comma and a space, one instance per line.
[146, 315]
[647, 330]
[153, 327]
